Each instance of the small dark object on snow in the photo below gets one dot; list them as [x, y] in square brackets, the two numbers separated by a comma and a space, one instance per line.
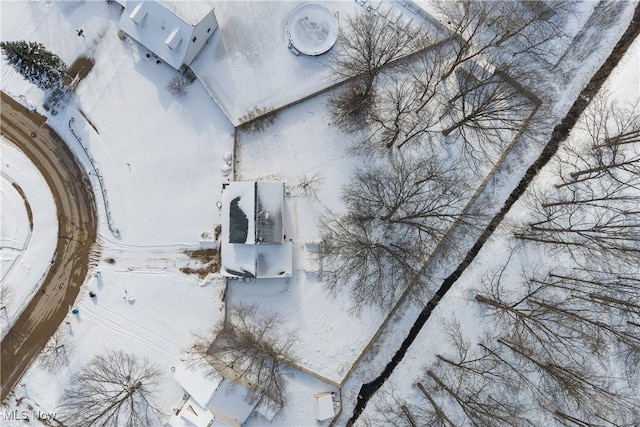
[75, 311]
[92, 294]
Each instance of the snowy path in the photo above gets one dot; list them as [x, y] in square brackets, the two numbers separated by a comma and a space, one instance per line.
[147, 258]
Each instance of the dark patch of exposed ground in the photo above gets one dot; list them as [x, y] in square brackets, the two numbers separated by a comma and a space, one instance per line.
[209, 258]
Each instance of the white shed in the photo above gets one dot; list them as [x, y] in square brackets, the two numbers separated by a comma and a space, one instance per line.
[324, 406]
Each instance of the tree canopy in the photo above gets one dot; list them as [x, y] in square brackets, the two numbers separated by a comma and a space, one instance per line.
[31, 59]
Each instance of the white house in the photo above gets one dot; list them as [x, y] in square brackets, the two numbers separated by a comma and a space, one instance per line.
[175, 31]
[253, 243]
[212, 401]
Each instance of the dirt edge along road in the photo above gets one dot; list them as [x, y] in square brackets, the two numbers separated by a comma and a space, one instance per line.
[77, 232]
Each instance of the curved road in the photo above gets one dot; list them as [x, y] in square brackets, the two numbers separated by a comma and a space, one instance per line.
[77, 232]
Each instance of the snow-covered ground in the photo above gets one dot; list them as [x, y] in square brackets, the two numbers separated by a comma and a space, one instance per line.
[302, 148]
[161, 160]
[29, 231]
[458, 306]
[247, 64]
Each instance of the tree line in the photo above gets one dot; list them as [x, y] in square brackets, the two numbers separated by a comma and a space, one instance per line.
[566, 347]
[431, 107]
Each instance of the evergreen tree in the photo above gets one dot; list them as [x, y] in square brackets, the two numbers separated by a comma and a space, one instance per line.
[31, 59]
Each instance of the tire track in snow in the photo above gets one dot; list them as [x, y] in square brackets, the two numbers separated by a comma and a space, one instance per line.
[116, 323]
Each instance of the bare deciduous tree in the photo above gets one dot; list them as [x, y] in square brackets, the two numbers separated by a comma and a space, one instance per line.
[255, 350]
[566, 325]
[575, 315]
[485, 111]
[405, 102]
[113, 389]
[311, 184]
[613, 146]
[464, 388]
[56, 352]
[592, 227]
[482, 26]
[391, 409]
[368, 45]
[177, 86]
[375, 264]
[397, 212]
[578, 389]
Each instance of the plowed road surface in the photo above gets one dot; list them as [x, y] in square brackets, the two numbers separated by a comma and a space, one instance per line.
[77, 230]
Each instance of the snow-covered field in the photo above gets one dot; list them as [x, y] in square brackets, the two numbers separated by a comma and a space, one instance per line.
[302, 149]
[252, 45]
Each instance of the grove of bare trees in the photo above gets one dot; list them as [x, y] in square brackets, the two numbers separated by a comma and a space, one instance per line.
[446, 88]
[593, 210]
[511, 381]
[113, 389]
[564, 343]
[416, 84]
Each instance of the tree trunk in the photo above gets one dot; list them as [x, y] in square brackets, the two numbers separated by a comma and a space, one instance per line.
[455, 126]
[600, 168]
[501, 306]
[433, 403]
[406, 412]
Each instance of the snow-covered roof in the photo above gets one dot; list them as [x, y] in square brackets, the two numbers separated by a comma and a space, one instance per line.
[253, 230]
[254, 211]
[269, 212]
[192, 12]
[324, 406]
[199, 382]
[172, 30]
[212, 399]
[191, 414]
[229, 404]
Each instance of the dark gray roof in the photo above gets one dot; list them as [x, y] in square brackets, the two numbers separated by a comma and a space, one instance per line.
[238, 223]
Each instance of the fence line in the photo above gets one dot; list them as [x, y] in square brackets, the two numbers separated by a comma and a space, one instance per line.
[98, 175]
